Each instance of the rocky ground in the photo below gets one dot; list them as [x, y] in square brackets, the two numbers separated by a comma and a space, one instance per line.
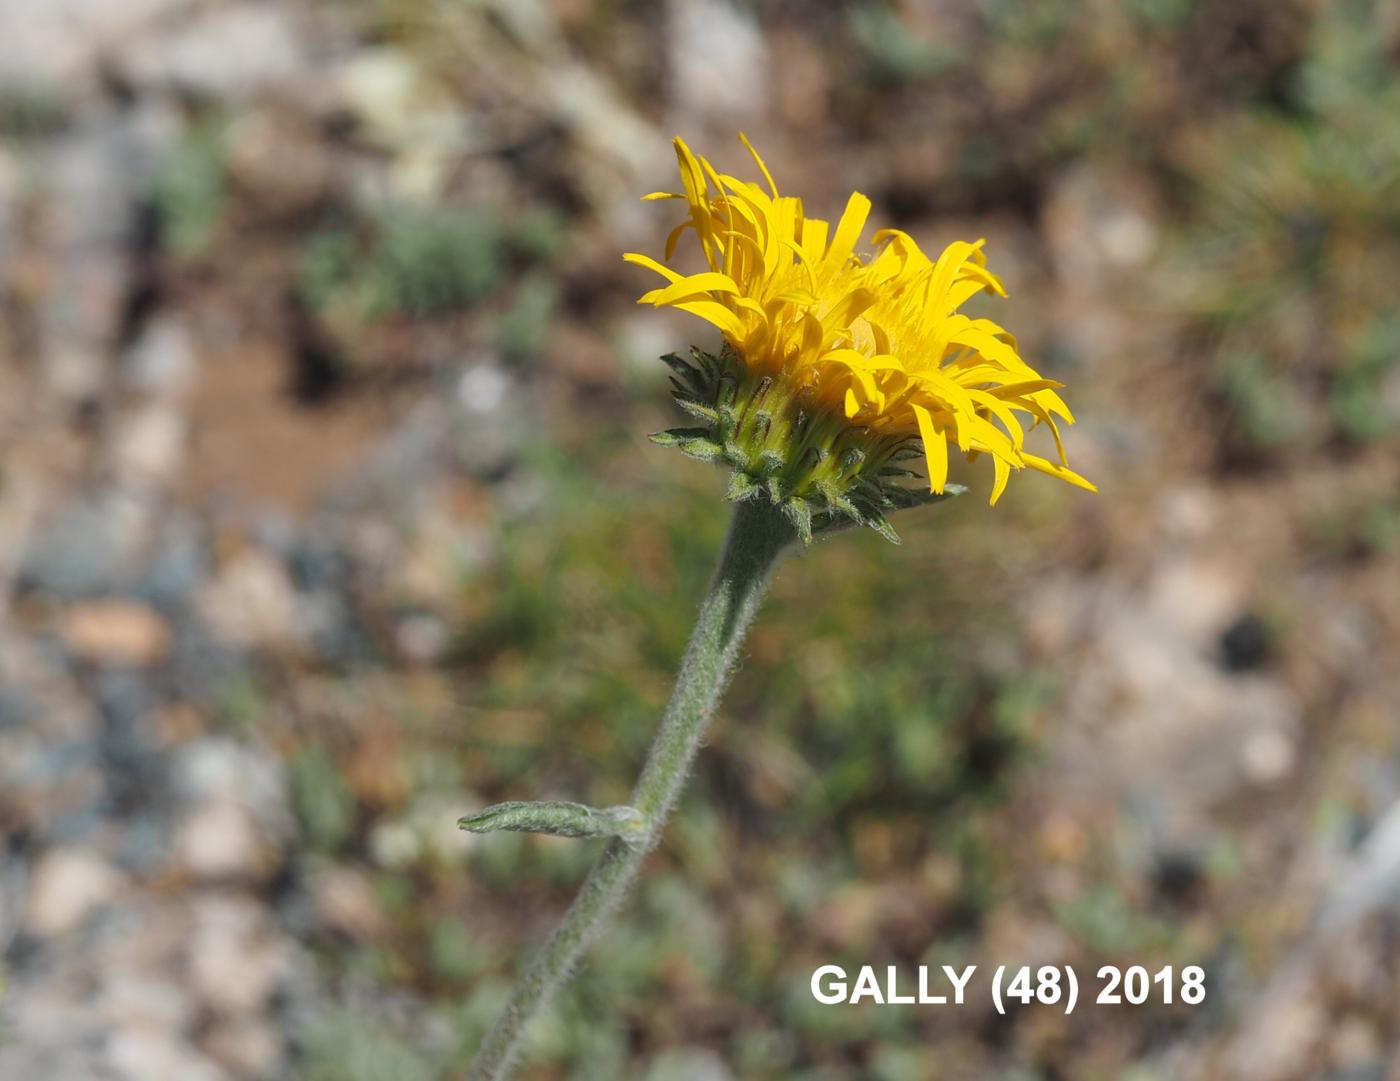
[154, 908]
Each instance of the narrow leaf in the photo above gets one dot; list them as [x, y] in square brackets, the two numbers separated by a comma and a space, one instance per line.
[674, 437]
[882, 526]
[838, 501]
[700, 411]
[557, 817]
[706, 450]
[683, 368]
[742, 486]
[905, 498]
[799, 513]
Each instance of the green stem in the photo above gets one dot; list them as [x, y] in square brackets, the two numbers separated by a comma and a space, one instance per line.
[757, 536]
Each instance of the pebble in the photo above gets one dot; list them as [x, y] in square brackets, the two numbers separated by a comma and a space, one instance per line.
[236, 959]
[160, 361]
[218, 841]
[344, 901]
[149, 447]
[1268, 756]
[80, 550]
[236, 820]
[68, 886]
[145, 1000]
[142, 1055]
[279, 164]
[178, 562]
[117, 632]
[249, 1047]
[252, 602]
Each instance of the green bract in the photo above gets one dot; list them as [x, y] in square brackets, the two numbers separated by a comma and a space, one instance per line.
[781, 445]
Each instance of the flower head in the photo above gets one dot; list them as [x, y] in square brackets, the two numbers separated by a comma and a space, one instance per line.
[853, 358]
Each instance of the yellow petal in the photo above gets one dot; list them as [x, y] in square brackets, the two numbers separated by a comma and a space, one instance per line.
[674, 236]
[849, 229]
[1017, 390]
[814, 231]
[651, 264]
[802, 261]
[935, 450]
[811, 336]
[696, 285]
[857, 361]
[1002, 473]
[1056, 470]
[1042, 416]
[848, 308]
[759, 161]
[714, 312]
[1001, 411]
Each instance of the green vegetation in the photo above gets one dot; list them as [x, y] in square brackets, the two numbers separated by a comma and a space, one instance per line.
[1300, 245]
[191, 187]
[352, 1047]
[431, 263]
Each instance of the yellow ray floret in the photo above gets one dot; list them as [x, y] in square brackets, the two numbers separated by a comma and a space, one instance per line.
[878, 339]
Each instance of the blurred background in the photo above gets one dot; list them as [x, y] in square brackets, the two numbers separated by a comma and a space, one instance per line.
[327, 516]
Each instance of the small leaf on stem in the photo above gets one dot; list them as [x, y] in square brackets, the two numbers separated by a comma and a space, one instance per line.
[558, 817]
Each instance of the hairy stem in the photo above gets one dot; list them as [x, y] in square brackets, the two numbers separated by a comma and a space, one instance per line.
[757, 536]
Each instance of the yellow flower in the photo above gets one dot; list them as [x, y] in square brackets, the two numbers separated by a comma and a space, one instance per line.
[875, 341]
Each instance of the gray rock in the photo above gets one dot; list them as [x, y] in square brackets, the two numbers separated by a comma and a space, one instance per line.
[316, 564]
[156, 989]
[77, 552]
[130, 745]
[51, 1062]
[204, 663]
[222, 768]
[160, 361]
[141, 1055]
[177, 564]
[45, 47]
[333, 631]
[237, 959]
[1370, 882]
[14, 888]
[145, 999]
[236, 818]
[718, 59]
[96, 174]
[229, 54]
[16, 707]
